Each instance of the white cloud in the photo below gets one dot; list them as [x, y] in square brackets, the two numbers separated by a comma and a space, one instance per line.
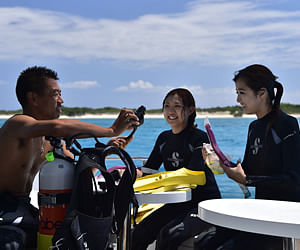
[212, 97]
[204, 97]
[140, 84]
[208, 32]
[195, 90]
[80, 84]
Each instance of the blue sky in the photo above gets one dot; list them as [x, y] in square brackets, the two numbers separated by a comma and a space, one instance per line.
[126, 53]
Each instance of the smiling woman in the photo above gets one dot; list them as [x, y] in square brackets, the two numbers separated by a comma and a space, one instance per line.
[177, 148]
[271, 162]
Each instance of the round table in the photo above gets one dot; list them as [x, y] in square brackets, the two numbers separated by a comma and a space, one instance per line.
[278, 218]
[164, 197]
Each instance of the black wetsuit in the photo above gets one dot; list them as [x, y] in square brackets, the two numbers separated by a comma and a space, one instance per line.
[274, 167]
[271, 164]
[175, 151]
[18, 222]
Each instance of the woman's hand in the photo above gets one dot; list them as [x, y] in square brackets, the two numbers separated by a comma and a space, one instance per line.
[120, 141]
[204, 153]
[237, 173]
[208, 153]
[139, 173]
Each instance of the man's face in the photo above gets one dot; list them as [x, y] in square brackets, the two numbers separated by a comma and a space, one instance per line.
[50, 101]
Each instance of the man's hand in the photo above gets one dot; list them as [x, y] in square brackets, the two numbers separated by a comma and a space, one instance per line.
[126, 120]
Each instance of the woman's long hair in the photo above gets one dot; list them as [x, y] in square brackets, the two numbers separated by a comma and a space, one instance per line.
[187, 100]
[256, 77]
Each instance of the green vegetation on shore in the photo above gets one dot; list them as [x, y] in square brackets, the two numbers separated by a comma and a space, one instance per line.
[233, 110]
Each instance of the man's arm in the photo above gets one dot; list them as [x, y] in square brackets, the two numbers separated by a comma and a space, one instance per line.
[28, 127]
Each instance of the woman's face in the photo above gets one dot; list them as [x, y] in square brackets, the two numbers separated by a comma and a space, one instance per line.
[175, 113]
[251, 102]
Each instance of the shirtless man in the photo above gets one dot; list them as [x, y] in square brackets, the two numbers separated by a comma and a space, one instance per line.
[23, 147]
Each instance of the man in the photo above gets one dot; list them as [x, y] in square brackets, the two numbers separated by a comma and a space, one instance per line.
[23, 148]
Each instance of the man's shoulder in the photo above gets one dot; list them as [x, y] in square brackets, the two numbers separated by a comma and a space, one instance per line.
[13, 125]
[20, 118]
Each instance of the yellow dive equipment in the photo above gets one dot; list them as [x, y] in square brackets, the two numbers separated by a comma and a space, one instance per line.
[182, 177]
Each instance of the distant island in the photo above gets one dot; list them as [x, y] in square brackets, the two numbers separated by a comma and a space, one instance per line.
[232, 110]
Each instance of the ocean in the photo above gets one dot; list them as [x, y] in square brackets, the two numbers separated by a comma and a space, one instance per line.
[230, 133]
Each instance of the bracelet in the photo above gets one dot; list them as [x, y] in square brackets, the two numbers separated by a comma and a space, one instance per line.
[248, 181]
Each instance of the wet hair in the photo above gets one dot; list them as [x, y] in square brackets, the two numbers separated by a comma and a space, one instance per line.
[187, 101]
[33, 79]
[256, 77]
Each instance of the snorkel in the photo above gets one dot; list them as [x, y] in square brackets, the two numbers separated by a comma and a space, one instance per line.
[215, 146]
[222, 157]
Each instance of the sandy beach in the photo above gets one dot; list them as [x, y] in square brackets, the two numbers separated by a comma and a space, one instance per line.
[147, 116]
[153, 116]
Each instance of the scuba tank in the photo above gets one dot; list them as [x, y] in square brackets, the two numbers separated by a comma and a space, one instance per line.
[55, 187]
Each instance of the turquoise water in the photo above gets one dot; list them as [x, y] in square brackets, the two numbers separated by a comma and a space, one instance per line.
[231, 134]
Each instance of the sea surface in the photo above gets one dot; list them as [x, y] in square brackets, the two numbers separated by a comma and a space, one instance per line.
[230, 133]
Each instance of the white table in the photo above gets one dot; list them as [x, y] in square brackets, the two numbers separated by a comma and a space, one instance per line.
[164, 197]
[151, 198]
[277, 218]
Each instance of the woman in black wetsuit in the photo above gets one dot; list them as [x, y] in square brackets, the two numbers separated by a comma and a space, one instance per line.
[176, 148]
[272, 157]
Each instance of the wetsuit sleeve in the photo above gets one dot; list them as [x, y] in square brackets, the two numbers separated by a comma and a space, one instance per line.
[155, 160]
[245, 159]
[196, 162]
[245, 165]
[291, 154]
[291, 161]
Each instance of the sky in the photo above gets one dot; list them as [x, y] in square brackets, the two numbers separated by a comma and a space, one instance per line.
[127, 53]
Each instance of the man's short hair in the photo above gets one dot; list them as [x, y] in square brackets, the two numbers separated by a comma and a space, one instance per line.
[33, 79]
